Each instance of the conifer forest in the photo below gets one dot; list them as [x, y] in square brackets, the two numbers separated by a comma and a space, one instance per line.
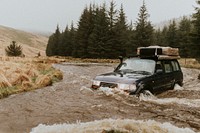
[104, 32]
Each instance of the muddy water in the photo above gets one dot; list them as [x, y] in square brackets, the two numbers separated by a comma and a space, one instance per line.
[71, 100]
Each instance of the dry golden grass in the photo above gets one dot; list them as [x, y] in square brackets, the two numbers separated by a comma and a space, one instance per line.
[189, 63]
[24, 74]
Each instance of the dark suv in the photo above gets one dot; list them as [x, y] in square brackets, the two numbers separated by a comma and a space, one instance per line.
[138, 74]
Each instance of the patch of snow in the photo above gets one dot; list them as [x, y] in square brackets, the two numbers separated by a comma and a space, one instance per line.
[126, 125]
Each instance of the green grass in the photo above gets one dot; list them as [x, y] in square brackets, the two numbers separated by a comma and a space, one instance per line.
[47, 71]
[4, 92]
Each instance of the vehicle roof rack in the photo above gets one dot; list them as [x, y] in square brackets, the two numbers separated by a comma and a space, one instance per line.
[158, 52]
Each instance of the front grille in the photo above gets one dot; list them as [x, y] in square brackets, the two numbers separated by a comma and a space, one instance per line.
[110, 85]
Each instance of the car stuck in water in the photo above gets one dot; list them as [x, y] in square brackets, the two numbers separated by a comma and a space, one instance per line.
[155, 69]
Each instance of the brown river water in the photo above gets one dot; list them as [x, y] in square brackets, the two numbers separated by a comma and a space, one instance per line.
[72, 101]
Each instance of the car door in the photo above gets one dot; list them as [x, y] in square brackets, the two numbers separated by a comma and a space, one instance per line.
[177, 73]
[158, 82]
[168, 74]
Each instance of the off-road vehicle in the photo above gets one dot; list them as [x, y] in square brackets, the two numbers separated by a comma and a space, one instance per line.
[155, 69]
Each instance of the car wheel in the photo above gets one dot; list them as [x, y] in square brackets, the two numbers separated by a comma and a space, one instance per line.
[147, 93]
[173, 85]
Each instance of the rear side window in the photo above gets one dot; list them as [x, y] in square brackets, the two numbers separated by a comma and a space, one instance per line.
[167, 67]
[175, 66]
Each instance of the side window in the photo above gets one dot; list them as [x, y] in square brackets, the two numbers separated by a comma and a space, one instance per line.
[167, 66]
[158, 66]
[175, 66]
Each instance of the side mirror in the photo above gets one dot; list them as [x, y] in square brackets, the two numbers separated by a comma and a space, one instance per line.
[121, 59]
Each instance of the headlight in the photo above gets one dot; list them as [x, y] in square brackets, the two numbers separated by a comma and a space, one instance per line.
[130, 87]
[96, 83]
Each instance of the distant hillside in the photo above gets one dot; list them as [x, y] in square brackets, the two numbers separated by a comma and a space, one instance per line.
[31, 43]
[161, 25]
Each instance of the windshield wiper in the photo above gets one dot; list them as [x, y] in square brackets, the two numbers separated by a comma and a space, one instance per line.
[126, 71]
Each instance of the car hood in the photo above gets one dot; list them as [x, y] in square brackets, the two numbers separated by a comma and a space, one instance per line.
[118, 77]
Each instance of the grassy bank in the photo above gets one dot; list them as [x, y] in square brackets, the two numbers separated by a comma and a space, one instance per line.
[25, 74]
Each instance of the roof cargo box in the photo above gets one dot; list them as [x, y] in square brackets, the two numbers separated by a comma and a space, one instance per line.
[166, 52]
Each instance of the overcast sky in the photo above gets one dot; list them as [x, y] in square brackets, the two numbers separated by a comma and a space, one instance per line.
[44, 15]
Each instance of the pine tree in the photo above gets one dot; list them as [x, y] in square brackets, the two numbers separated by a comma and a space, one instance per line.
[131, 49]
[196, 32]
[112, 15]
[112, 35]
[184, 41]
[98, 47]
[64, 44]
[85, 28]
[72, 37]
[164, 37]
[144, 29]
[158, 37]
[172, 35]
[121, 30]
[57, 38]
[13, 49]
[53, 43]
[50, 45]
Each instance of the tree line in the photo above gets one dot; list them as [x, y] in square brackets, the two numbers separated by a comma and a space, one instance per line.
[105, 33]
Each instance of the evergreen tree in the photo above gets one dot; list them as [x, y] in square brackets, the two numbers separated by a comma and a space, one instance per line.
[172, 35]
[164, 37]
[85, 28]
[98, 47]
[121, 30]
[64, 45]
[50, 45]
[57, 36]
[53, 43]
[196, 32]
[112, 35]
[184, 41]
[13, 49]
[144, 29]
[158, 37]
[131, 49]
[112, 15]
[72, 37]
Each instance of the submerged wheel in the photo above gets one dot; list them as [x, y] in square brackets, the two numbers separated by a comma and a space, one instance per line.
[173, 85]
[146, 92]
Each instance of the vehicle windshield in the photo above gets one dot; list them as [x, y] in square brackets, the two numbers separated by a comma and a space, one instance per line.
[136, 65]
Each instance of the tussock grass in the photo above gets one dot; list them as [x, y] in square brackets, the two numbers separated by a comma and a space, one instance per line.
[25, 74]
